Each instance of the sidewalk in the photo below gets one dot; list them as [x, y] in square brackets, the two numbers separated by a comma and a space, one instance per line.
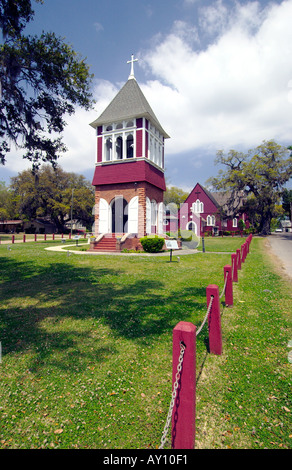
[64, 248]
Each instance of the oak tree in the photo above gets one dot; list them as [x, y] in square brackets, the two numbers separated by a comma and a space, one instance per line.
[47, 193]
[42, 80]
[258, 176]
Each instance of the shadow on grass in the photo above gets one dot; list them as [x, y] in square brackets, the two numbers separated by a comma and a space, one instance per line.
[58, 291]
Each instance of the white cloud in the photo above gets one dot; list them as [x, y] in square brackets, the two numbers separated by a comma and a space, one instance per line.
[235, 91]
[98, 27]
[79, 136]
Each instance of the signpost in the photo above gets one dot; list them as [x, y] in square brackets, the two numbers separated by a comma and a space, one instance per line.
[76, 237]
[171, 245]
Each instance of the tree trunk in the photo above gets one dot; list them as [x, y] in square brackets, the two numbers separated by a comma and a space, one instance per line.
[265, 225]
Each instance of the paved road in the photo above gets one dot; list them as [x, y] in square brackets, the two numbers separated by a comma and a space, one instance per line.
[281, 246]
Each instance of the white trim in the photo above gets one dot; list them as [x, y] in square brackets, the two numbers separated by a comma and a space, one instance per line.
[189, 224]
[133, 208]
[148, 215]
[127, 160]
[103, 216]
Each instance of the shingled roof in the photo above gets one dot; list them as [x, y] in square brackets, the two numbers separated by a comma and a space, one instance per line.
[128, 104]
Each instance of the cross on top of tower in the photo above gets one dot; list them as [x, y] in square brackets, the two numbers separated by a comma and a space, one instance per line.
[132, 66]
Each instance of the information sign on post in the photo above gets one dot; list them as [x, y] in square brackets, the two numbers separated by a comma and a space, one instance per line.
[171, 245]
[76, 237]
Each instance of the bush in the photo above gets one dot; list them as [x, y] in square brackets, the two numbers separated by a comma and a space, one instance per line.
[152, 244]
[189, 239]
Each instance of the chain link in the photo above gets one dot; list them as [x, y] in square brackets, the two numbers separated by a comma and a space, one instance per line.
[173, 397]
[177, 376]
[222, 293]
[206, 316]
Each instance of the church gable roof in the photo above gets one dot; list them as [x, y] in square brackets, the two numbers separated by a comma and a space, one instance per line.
[193, 195]
[129, 103]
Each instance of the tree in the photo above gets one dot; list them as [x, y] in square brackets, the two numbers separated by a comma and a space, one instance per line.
[42, 80]
[47, 192]
[287, 202]
[258, 176]
[174, 195]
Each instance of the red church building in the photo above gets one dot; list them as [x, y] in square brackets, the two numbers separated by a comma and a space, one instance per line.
[205, 212]
[129, 170]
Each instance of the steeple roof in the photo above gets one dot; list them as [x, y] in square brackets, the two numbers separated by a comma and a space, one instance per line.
[128, 104]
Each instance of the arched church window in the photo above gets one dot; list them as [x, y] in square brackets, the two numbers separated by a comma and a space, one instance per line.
[211, 220]
[108, 149]
[119, 148]
[198, 207]
[130, 124]
[119, 126]
[130, 146]
[109, 128]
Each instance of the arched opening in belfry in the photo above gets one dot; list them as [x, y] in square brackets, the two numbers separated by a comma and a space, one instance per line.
[119, 215]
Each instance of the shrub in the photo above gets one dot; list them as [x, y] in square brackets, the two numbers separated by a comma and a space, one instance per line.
[152, 244]
[189, 239]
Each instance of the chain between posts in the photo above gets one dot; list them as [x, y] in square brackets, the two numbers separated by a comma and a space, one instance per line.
[223, 291]
[206, 316]
[177, 377]
[173, 397]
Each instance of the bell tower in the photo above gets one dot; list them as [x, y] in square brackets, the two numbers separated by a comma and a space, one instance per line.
[129, 170]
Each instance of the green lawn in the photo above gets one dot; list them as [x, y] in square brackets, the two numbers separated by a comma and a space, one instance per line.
[87, 349]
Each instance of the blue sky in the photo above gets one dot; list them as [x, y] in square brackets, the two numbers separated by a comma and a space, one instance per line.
[217, 73]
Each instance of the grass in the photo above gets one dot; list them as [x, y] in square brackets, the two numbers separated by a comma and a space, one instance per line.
[87, 349]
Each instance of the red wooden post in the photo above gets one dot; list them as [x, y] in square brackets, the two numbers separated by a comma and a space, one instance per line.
[228, 287]
[214, 320]
[35, 237]
[184, 410]
[245, 250]
[23, 238]
[12, 239]
[45, 236]
[238, 258]
[242, 253]
[247, 245]
[234, 267]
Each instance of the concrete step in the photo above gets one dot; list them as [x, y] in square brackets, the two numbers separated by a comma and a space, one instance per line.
[107, 243]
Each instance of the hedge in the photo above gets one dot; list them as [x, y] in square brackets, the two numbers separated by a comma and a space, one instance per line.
[152, 244]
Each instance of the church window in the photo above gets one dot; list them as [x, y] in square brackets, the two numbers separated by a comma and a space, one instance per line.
[160, 155]
[211, 220]
[234, 223]
[109, 128]
[130, 146]
[156, 150]
[130, 124]
[108, 149]
[198, 207]
[119, 148]
[119, 126]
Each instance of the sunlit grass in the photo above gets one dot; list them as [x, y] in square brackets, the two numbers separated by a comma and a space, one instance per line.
[87, 349]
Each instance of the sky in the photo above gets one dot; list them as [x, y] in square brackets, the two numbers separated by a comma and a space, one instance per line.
[217, 73]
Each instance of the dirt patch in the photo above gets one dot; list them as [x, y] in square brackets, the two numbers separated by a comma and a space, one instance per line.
[276, 262]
